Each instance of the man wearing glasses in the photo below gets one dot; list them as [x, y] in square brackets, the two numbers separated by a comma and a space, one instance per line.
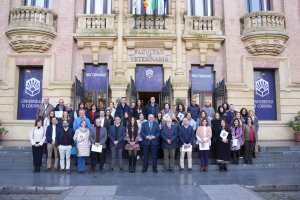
[194, 109]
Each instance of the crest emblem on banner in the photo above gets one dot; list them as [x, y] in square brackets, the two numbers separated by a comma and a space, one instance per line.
[32, 87]
[262, 87]
[149, 73]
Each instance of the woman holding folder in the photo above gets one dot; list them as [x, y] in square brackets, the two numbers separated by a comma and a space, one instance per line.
[203, 136]
[223, 147]
[98, 139]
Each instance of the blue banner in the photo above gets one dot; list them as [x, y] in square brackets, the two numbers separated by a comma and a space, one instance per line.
[264, 95]
[203, 79]
[149, 78]
[30, 92]
[95, 78]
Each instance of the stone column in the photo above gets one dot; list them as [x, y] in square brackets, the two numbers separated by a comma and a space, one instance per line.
[180, 83]
[118, 84]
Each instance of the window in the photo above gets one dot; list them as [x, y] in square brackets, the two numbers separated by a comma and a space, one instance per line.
[97, 6]
[257, 5]
[39, 3]
[200, 7]
[149, 11]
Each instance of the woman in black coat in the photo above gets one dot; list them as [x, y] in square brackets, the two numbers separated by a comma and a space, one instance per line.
[215, 126]
[93, 114]
[223, 114]
[223, 146]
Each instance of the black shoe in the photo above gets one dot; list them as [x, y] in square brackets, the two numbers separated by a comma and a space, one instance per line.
[225, 168]
[38, 169]
[122, 170]
[144, 170]
[237, 161]
[181, 170]
[34, 169]
[172, 170]
[254, 156]
[111, 170]
[130, 169]
[221, 167]
[155, 170]
[133, 169]
[164, 171]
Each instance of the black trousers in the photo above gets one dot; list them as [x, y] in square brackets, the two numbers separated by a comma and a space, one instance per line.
[37, 153]
[98, 156]
[249, 148]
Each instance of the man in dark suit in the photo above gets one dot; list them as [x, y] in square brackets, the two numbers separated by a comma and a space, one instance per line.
[52, 131]
[64, 142]
[150, 132]
[116, 136]
[169, 136]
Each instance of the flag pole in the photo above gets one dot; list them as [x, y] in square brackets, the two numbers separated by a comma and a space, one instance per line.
[135, 19]
[164, 15]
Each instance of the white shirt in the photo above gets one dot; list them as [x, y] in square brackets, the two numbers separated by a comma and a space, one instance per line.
[102, 121]
[53, 132]
[46, 107]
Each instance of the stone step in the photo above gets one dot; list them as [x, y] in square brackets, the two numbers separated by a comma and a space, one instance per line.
[283, 148]
[177, 167]
[279, 154]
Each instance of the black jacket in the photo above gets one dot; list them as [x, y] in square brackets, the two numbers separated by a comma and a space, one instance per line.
[134, 113]
[57, 108]
[60, 122]
[120, 110]
[147, 110]
[89, 115]
[71, 115]
[50, 130]
[60, 135]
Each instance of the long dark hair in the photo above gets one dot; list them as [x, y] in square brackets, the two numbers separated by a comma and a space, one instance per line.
[80, 104]
[242, 112]
[226, 125]
[219, 108]
[135, 123]
[239, 124]
[177, 107]
[110, 117]
[95, 106]
[50, 118]
[202, 111]
[136, 104]
[226, 105]
[123, 118]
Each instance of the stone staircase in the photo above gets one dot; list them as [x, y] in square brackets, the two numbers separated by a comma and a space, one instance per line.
[283, 157]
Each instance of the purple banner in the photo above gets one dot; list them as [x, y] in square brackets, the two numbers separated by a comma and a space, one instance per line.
[203, 79]
[264, 95]
[30, 92]
[149, 78]
[95, 78]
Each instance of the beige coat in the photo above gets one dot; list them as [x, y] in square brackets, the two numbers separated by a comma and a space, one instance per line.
[41, 109]
[203, 138]
[83, 146]
[246, 132]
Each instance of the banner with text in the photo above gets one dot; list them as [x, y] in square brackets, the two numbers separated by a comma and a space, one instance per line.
[264, 95]
[30, 92]
[149, 78]
[95, 78]
[203, 79]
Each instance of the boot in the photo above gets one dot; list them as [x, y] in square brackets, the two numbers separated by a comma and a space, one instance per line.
[225, 168]
[221, 167]
[130, 163]
[234, 157]
[38, 169]
[134, 163]
[254, 155]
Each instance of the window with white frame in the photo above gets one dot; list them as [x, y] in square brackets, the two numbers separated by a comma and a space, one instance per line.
[98, 6]
[200, 7]
[257, 5]
[39, 3]
[160, 10]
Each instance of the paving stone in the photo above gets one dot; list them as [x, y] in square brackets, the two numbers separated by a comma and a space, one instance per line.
[102, 191]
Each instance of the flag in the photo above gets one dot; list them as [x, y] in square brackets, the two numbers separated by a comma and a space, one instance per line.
[154, 4]
[145, 4]
[134, 2]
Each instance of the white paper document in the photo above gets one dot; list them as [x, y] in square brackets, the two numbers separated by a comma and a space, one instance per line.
[204, 146]
[97, 148]
[180, 116]
[81, 136]
[58, 114]
[224, 134]
[234, 142]
[188, 149]
[166, 116]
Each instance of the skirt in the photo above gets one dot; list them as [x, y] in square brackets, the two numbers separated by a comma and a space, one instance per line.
[130, 147]
[235, 148]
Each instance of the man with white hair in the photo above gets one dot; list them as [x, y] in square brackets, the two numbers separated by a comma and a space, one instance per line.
[44, 109]
[169, 136]
[78, 120]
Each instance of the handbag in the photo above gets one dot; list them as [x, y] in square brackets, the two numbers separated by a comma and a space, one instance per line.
[74, 150]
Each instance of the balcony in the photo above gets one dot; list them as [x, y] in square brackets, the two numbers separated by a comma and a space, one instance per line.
[203, 33]
[264, 33]
[31, 29]
[158, 28]
[95, 31]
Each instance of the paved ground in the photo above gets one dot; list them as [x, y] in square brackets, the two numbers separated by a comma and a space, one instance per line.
[280, 195]
[29, 196]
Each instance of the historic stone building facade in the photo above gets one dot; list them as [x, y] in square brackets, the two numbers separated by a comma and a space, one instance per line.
[101, 41]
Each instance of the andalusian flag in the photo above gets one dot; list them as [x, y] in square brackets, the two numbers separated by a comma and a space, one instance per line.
[145, 4]
[154, 4]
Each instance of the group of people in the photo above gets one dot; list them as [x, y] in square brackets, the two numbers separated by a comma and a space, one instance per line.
[127, 131]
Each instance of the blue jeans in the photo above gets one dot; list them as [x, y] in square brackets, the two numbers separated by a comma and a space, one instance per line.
[204, 154]
[81, 163]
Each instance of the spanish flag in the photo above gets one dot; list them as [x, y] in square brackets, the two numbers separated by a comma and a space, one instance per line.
[145, 4]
